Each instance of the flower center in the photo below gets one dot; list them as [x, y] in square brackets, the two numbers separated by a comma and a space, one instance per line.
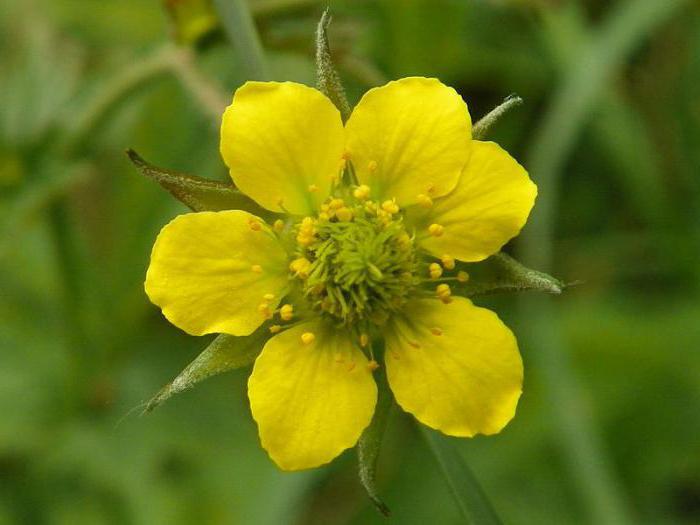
[358, 262]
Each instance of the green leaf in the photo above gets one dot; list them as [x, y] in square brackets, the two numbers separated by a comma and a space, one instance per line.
[197, 193]
[328, 81]
[370, 442]
[467, 492]
[226, 352]
[512, 276]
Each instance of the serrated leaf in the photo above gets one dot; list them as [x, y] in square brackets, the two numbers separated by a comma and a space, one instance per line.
[197, 193]
[226, 352]
[370, 443]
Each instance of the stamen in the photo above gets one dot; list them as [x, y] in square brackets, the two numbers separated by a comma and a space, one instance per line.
[435, 270]
[313, 188]
[390, 207]
[278, 225]
[436, 330]
[307, 338]
[372, 365]
[336, 204]
[436, 230]
[344, 214]
[265, 309]
[448, 262]
[372, 166]
[287, 312]
[444, 293]
[268, 297]
[414, 344]
[256, 268]
[275, 328]
[300, 267]
[361, 192]
[462, 277]
[364, 340]
[430, 188]
[254, 225]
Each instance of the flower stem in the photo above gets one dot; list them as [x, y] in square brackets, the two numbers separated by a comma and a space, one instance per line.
[240, 28]
[470, 497]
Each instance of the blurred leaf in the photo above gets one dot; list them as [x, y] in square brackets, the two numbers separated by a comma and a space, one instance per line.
[469, 496]
[328, 80]
[197, 193]
[370, 442]
[226, 352]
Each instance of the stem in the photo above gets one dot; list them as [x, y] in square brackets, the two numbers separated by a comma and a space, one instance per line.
[625, 28]
[468, 494]
[480, 129]
[240, 29]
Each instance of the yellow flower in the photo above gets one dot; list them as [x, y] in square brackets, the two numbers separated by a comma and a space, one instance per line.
[371, 205]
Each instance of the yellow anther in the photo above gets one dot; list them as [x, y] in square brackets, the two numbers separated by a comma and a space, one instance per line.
[268, 297]
[372, 166]
[278, 225]
[436, 230]
[313, 188]
[344, 214]
[307, 222]
[390, 207]
[444, 293]
[275, 328]
[430, 188]
[404, 240]
[436, 330]
[364, 340]
[462, 277]
[372, 365]
[346, 155]
[336, 204]
[256, 268]
[307, 338]
[323, 217]
[265, 309]
[371, 207]
[448, 262]
[361, 192]
[287, 312]
[424, 200]
[254, 225]
[435, 270]
[300, 267]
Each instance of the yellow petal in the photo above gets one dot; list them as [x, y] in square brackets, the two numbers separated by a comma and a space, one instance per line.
[408, 138]
[280, 139]
[209, 272]
[488, 207]
[455, 367]
[311, 397]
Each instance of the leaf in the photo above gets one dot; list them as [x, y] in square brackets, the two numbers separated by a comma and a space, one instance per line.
[226, 352]
[512, 276]
[328, 80]
[370, 442]
[197, 193]
[467, 492]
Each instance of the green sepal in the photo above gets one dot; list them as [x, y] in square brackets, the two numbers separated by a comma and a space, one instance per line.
[197, 193]
[507, 276]
[224, 353]
[480, 129]
[328, 80]
[370, 442]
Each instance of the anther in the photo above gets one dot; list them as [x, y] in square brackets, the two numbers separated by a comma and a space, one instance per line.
[462, 277]
[344, 214]
[436, 330]
[435, 270]
[430, 188]
[444, 293]
[278, 225]
[287, 312]
[414, 344]
[307, 338]
[275, 329]
[352, 366]
[313, 188]
[256, 268]
[436, 230]
[268, 297]
[336, 204]
[300, 267]
[448, 262]
[264, 309]
[361, 192]
[254, 225]
[424, 200]
[390, 207]
[372, 365]
[372, 166]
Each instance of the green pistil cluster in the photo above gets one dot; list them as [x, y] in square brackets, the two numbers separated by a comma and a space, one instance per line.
[359, 263]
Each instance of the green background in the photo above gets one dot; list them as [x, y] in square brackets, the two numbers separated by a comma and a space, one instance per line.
[608, 428]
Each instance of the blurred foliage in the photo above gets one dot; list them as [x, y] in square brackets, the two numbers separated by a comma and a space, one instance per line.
[82, 349]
